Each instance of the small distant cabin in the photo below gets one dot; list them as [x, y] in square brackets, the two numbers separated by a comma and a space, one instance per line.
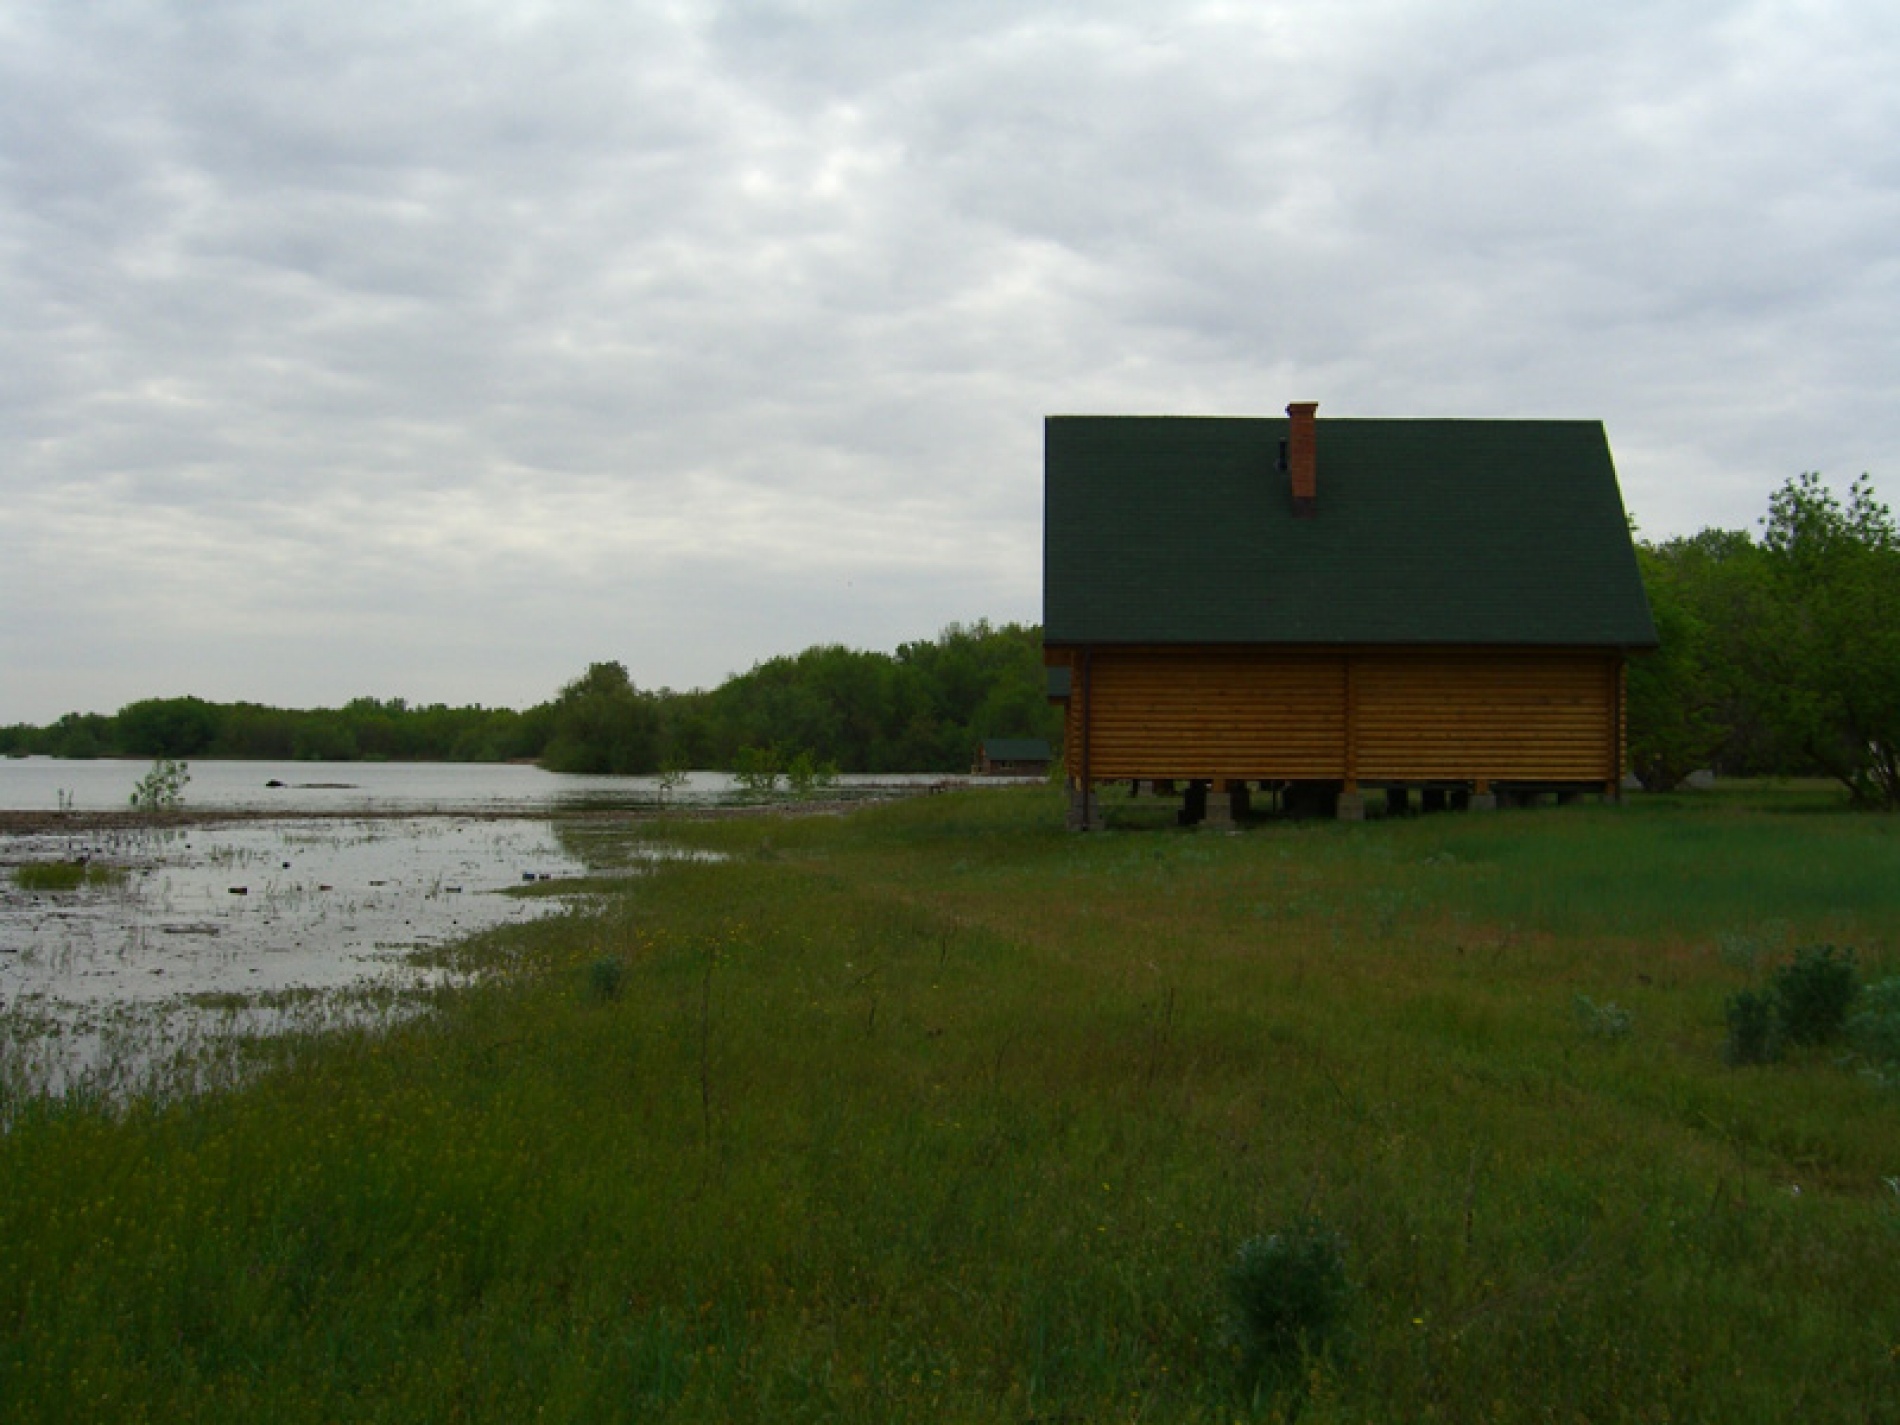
[1013, 757]
[1318, 609]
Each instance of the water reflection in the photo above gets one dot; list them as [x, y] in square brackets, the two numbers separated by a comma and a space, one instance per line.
[49, 784]
[302, 913]
[244, 927]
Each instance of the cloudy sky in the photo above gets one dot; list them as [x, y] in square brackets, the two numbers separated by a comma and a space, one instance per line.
[438, 349]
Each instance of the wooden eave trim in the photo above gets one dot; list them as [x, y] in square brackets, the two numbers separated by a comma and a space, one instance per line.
[1056, 654]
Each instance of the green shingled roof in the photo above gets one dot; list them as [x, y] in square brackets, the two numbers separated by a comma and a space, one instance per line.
[1164, 529]
[1017, 749]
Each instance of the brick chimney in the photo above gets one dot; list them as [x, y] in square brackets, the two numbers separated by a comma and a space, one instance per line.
[1302, 458]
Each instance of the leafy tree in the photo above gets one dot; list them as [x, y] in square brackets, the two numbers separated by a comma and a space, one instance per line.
[323, 736]
[1781, 655]
[252, 730]
[921, 710]
[79, 735]
[168, 727]
[602, 723]
[1678, 693]
[1827, 655]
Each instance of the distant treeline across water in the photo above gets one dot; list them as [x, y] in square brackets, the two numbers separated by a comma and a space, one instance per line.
[921, 709]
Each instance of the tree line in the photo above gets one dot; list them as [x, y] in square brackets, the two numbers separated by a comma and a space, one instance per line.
[1780, 653]
[923, 708]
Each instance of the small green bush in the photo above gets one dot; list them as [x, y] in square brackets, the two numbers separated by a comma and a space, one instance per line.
[1754, 1029]
[1289, 1294]
[1814, 993]
[806, 774]
[1873, 1031]
[1603, 1021]
[606, 978]
[162, 788]
[757, 770]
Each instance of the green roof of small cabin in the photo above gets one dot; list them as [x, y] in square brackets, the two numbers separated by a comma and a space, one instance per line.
[1017, 749]
[1170, 529]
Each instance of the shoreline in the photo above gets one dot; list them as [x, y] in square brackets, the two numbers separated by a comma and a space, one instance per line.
[41, 823]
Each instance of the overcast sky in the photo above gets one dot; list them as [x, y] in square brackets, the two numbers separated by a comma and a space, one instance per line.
[436, 350]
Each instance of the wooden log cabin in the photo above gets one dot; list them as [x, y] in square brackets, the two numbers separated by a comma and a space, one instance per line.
[1318, 609]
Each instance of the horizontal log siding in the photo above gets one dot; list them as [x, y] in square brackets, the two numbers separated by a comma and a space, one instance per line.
[1188, 714]
[1526, 717]
[1416, 715]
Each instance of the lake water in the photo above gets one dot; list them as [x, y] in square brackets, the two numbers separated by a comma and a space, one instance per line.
[305, 910]
[47, 784]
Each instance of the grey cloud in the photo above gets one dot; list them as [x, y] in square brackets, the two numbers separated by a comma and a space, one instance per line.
[439, 350]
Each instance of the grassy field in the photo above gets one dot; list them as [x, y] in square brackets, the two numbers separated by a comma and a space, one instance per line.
[938, 1112]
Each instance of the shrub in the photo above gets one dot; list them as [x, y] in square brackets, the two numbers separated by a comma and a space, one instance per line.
[1754, 1031]
[1874, 1029]
[605, 978]
[162, 788]
[1603, 1021]
[1814, 992]
[807, 774]
[757, 770]
[1289, 1294]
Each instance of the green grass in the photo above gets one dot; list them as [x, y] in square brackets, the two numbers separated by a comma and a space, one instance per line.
[65, 875]
[939, 1112]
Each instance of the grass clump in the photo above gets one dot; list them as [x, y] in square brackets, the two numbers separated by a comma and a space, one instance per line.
[1806, 1003]
[1814, 992]
[65, 875]
[1609, 1022]
[1754, 1029]
[1289, 1294]
[1873, 1030]
[606, 978]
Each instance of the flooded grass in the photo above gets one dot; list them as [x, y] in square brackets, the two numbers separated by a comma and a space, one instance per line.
[65, 875]
[121, 962]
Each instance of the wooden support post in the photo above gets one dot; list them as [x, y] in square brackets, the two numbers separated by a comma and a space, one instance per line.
[1618, 752]
[1219, 815]
[1085, 808]
[1350, 752]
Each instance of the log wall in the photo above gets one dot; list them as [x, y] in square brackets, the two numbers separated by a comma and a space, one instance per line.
[1351, 715]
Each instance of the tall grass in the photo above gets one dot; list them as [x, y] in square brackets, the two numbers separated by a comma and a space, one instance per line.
[65, 875]
[938, 1112]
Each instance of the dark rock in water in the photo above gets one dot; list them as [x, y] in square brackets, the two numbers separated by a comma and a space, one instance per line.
[240, 890]
[273, 782]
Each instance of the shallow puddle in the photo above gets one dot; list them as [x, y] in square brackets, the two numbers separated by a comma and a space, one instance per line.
[244, 928]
